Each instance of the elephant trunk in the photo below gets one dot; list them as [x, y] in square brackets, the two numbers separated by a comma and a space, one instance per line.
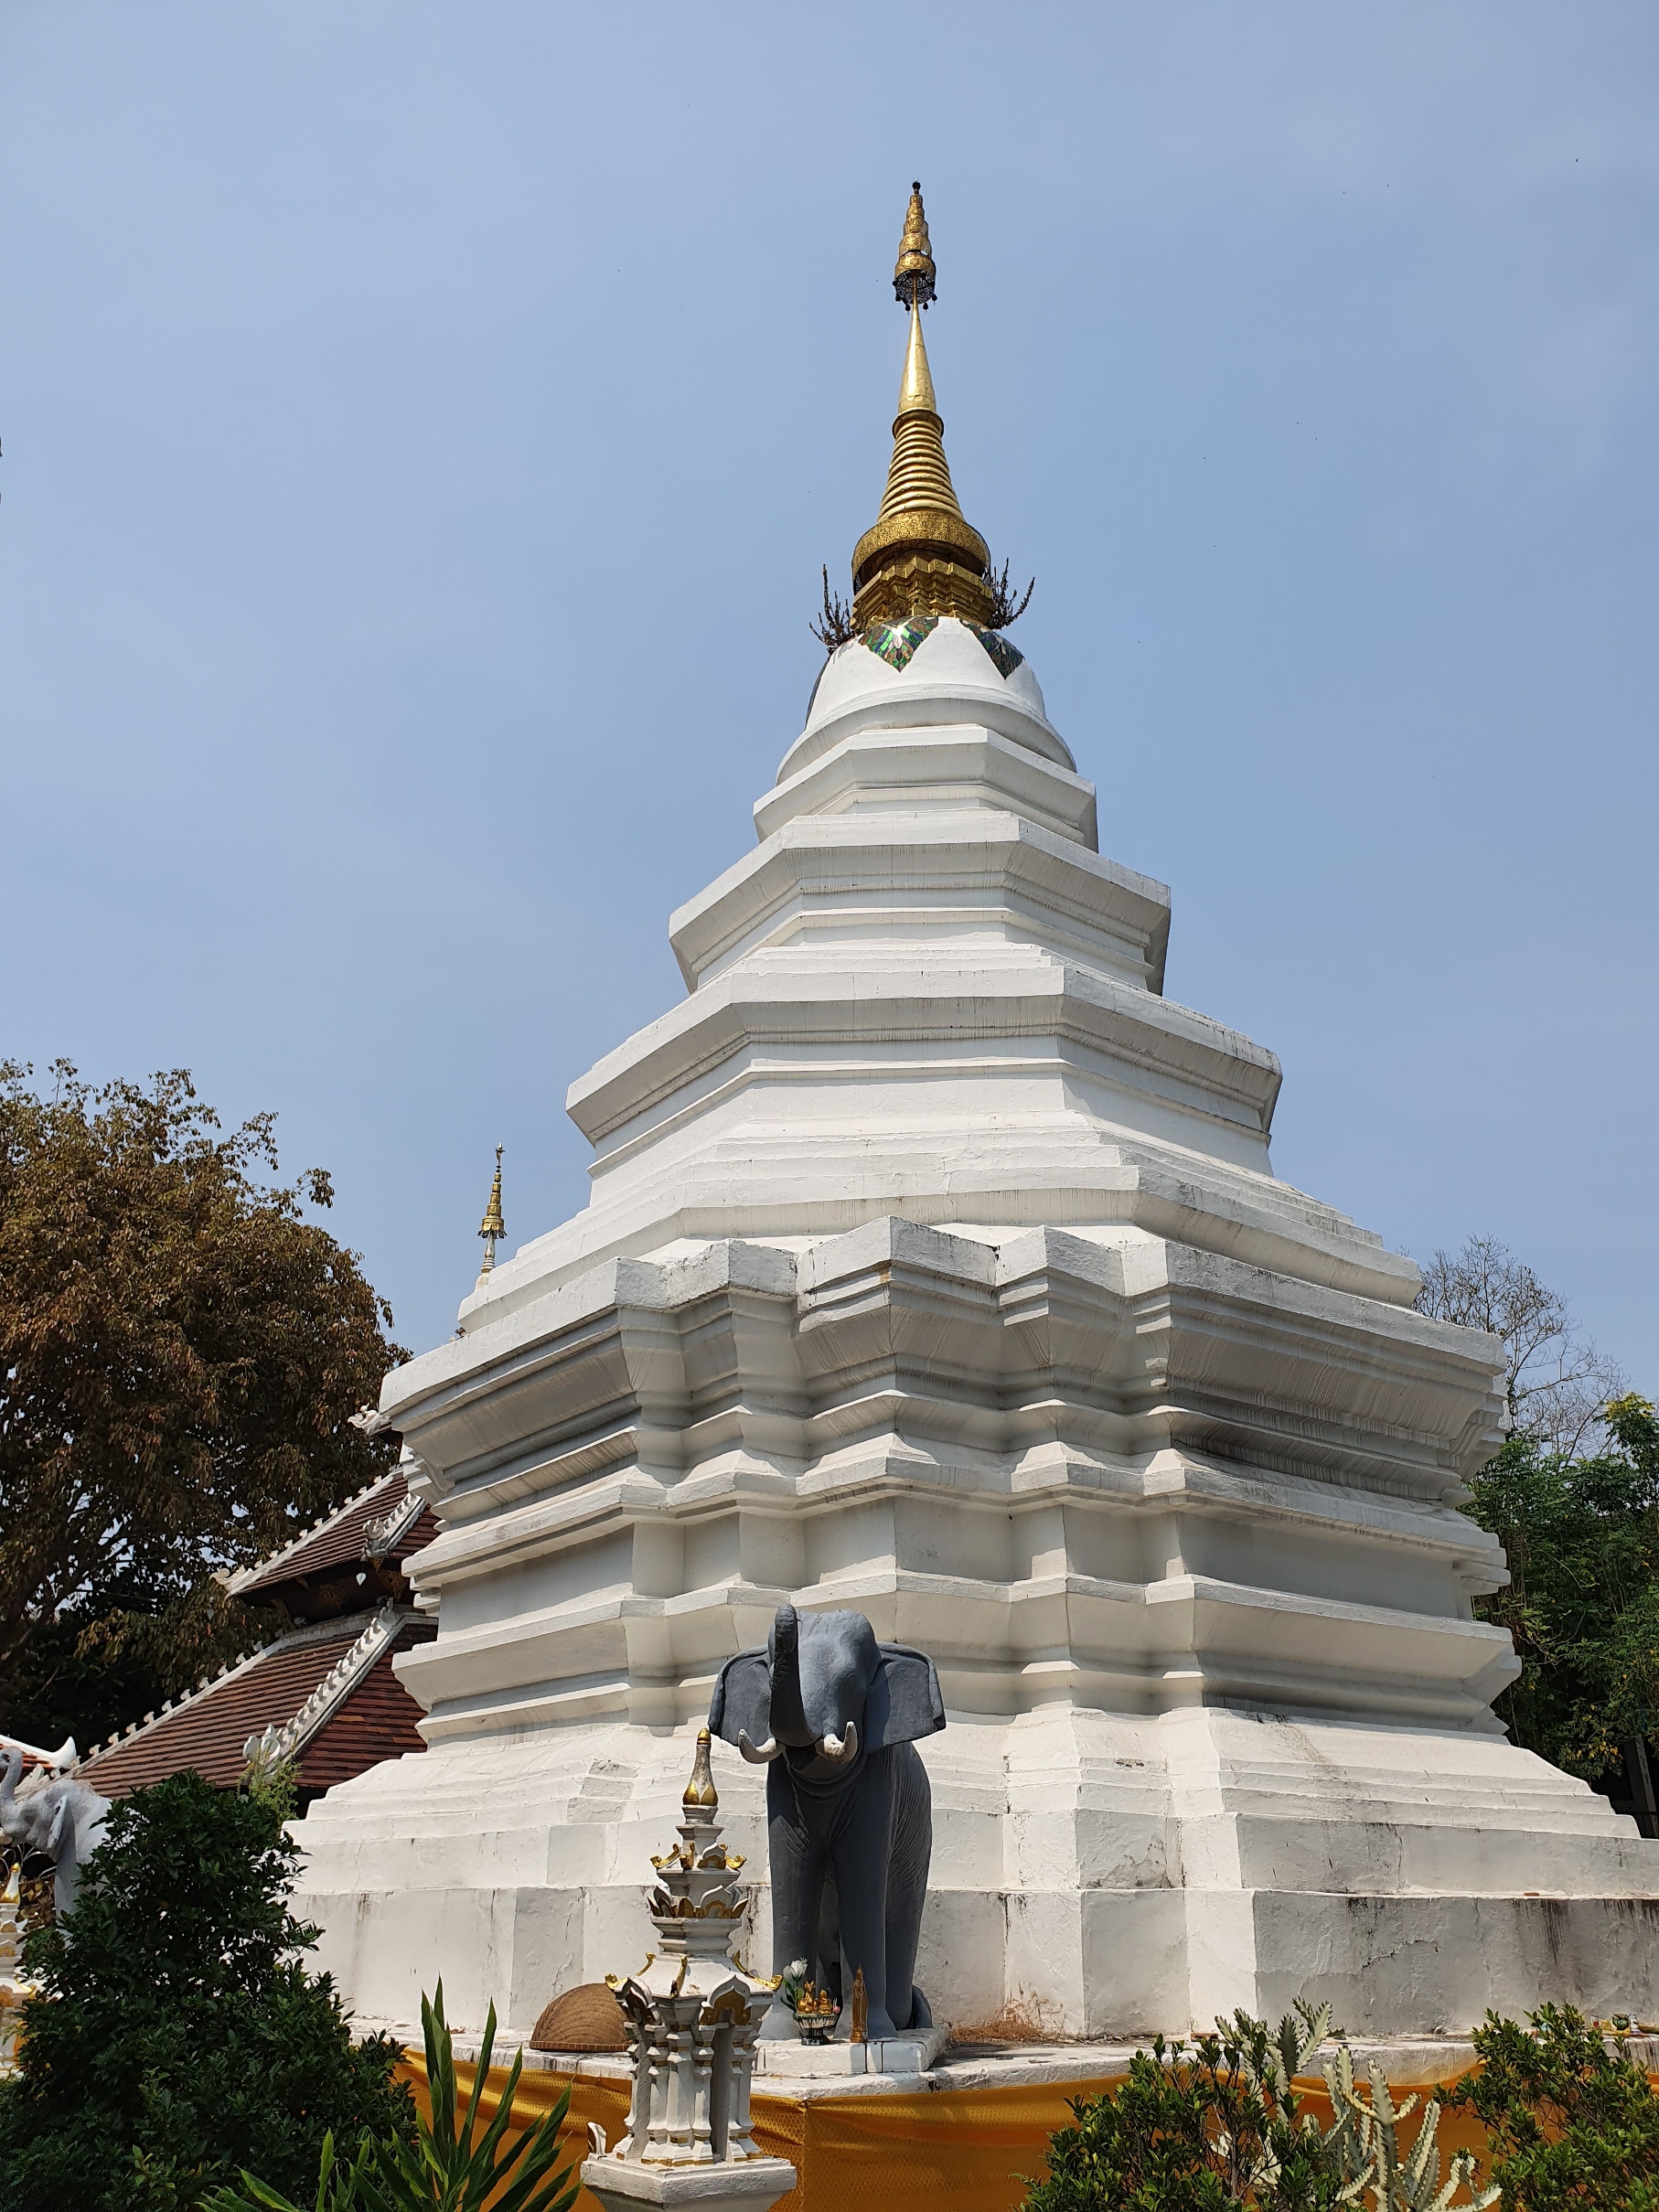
[11, 1821]
[788, 1714]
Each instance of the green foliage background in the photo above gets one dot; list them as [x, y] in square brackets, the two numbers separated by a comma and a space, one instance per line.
[456, 2162]
[1582, 1539]
[180, 2037]
[1190, 2131]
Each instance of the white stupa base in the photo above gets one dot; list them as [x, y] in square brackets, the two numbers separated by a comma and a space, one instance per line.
[748, 2184]
[1128, 1874]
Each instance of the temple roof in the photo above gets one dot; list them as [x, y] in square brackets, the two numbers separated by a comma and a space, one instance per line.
[382, 1523]
[326, 1685]
[331, 1691]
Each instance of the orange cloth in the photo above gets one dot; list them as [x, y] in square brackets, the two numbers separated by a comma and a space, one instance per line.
[969, 2148]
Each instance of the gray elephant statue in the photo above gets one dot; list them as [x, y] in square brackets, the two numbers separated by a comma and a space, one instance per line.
[834, 1715]
[62, 1821]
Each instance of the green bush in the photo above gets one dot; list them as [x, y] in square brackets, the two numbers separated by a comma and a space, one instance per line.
[1225, 2131]
[1572, 2127]
[1198, 2132]
[450, 2167]
[179, 2038]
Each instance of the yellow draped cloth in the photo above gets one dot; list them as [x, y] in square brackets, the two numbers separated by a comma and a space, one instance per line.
[970, 2149]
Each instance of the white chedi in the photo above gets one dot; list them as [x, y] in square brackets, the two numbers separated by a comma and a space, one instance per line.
[935, 1265]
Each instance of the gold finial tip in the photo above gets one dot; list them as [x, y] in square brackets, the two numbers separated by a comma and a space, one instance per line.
[700, 1789]
[915, 277]
[492, 1228]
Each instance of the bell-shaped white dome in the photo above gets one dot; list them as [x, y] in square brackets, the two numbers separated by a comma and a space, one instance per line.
[928, 670]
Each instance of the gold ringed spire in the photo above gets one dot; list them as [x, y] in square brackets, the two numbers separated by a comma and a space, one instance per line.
[921, 555]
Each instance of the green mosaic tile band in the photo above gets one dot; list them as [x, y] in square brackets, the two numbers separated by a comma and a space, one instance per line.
[894, 642]
[1006, 657]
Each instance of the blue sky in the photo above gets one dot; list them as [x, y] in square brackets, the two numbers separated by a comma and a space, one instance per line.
[423, 426]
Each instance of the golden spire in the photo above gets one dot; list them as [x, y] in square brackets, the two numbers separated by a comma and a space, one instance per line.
[921, 556]
[915, 387]
[919, 481]
[492, 1228]
[700, 1789]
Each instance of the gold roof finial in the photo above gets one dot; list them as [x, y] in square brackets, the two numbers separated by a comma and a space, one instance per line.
[921, 555]
[915, 278]
[493, 1228]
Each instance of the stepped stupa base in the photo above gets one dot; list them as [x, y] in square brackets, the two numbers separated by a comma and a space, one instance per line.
[1130, 1875]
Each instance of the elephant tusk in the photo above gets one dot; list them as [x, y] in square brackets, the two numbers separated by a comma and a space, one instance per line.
[759, 1755]
[837, 1752]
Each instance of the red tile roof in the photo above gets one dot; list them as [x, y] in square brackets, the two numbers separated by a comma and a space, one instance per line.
[375, 1718]
[377, 1721]
[347, 1534]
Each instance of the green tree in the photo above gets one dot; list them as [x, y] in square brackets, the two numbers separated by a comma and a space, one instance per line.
[180, 2037]
[1574, 1497]
[1570, 2125]
[1581, 1536]
[181, 1352]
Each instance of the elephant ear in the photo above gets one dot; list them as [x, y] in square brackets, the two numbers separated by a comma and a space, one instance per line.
[904, 1699]
[742, 1699]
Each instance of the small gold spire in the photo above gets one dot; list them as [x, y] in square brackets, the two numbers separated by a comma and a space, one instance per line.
[493, 1228]
[921, 555]
[700, 1789]
[915, 278]
[918, 480]
[915, 387]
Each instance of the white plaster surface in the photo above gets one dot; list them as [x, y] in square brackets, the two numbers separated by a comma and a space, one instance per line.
[838, 2061]
[935, 1265]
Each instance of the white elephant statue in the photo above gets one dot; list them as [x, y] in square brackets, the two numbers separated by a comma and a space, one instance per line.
[63, 1820]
